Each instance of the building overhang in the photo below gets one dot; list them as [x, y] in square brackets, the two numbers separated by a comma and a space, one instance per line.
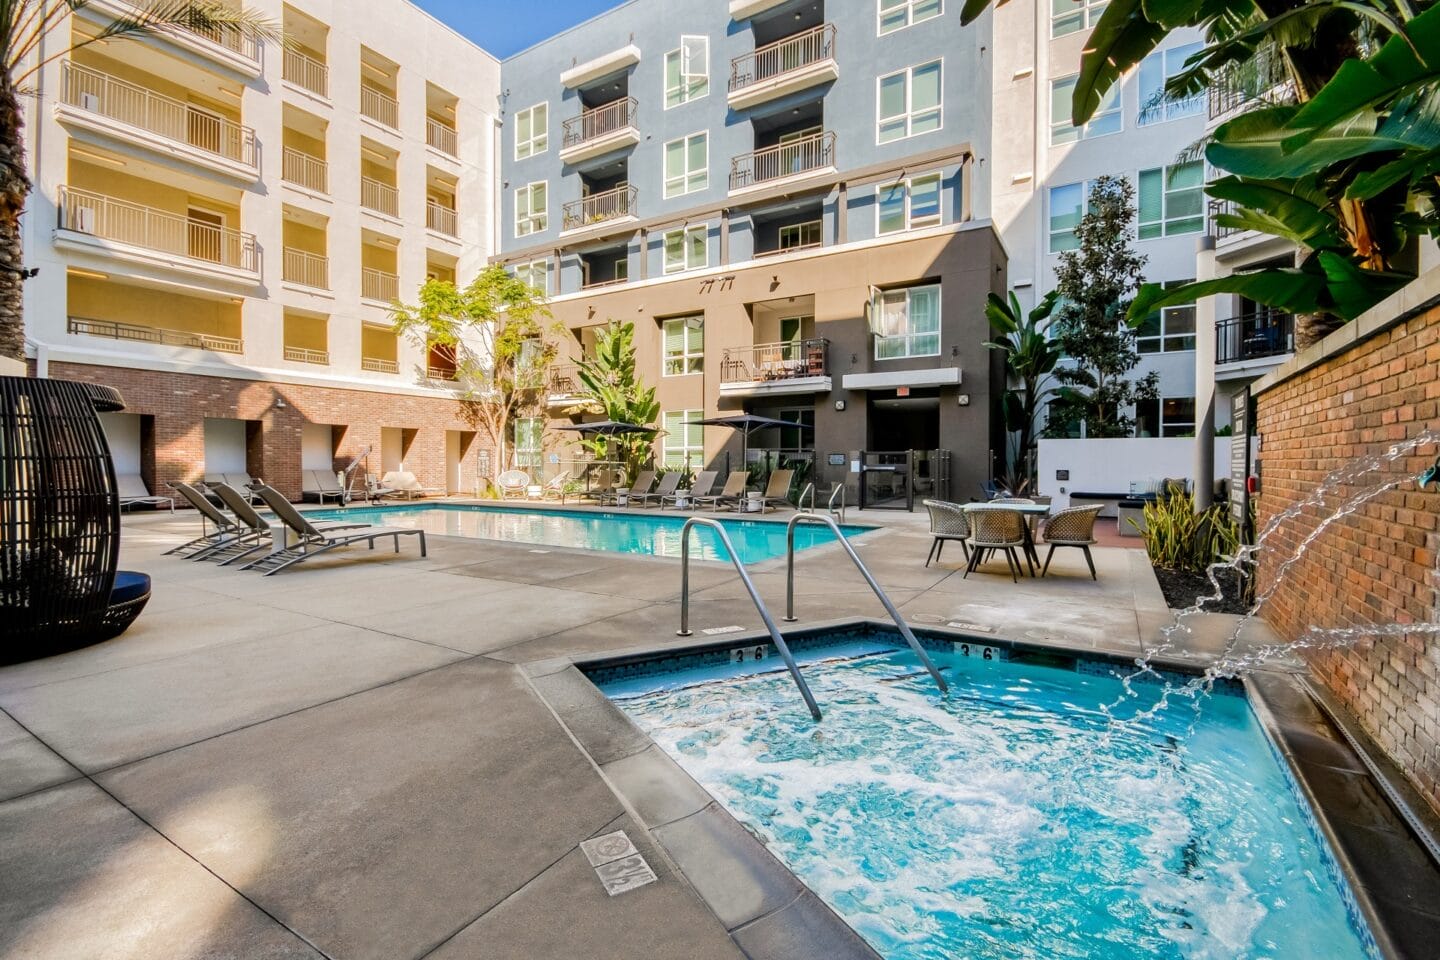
[124, 133]
[208, 272]
[792, 81]
[794, 182]
[745, 9]
[789, 386]
[602, 66]
[106, 12]
[1249, 369]
[930, 377]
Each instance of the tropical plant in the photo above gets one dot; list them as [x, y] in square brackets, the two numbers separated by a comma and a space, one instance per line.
[612, 387]
[495, 332]
[1178, 538]
[1030, 358]
[28, 42]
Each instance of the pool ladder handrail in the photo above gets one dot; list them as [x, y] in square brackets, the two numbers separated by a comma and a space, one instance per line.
[790, 617]
[809, 491]
[837, 493]
[764, 612]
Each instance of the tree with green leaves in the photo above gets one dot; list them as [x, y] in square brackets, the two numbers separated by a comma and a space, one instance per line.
[1095, 283]
[495, 330]
[613, 388]
[33, 34]
[1030, 358]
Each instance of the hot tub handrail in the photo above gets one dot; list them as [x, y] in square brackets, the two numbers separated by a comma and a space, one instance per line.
[838, 492]
[775, 636]
[904, 628]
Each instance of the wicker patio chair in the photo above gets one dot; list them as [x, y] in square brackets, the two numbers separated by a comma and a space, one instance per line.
[1002, 530]
[1074, 527]
[948, 521]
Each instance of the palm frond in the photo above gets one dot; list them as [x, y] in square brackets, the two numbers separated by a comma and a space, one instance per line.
[199, 16]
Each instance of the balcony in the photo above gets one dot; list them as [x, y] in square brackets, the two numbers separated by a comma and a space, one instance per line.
[784, 67]
[307, 73]
[783, 162]
[776, 369]
[307, 269]
[379, 197]
[131, 113]
[442, 137]
[230, 48]
[442, 219]
[379, 285]
[374, 365]
[1263, 334]
[306, 355]
[1263, 79]
[128, 231]
[379, 106]
[597, 132]
[442, 374]
[617, 204]
[136, 333]
[306, 171]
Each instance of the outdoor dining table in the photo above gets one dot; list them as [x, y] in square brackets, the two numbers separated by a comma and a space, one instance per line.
[1030, 511]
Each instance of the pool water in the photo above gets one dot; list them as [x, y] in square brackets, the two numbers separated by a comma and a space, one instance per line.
[1003, 822]
[591, 529]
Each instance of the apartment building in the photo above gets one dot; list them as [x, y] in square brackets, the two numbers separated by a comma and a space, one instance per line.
[220, 226]
[788, 198]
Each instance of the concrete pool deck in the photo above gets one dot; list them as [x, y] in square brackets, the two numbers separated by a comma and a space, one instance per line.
[349, 759]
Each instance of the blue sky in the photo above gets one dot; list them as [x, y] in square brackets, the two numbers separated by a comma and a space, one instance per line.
[510, 26]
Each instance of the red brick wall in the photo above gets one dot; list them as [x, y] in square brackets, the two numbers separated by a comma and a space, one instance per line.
[1379, 565]
[180, 403]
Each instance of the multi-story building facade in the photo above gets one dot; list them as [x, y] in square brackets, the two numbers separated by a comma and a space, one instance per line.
[789, 200]
[220, 227]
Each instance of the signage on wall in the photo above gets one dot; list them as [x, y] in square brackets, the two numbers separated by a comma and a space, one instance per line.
[902, 391]
[836, 459]
[1240, 456]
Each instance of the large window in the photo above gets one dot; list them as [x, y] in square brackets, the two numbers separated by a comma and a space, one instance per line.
[1067, 205]
[687, 249]
[1107, 117]
[1168, 330]
[907, 204]
[687, 165]
[687, 71]
[1070, 16]
[1172, 200]
[684, 442]
[531, 205]
[529, 443]
[899, 14]
[532, 131]
[797, 236]
[907, 322]
[1167, 417]
[684, 345]
[908, 103]
[1155, 71]
[794, 439]
[537, 274]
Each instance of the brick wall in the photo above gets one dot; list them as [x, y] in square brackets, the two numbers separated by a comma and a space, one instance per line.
[180, 403]
[1378, 565]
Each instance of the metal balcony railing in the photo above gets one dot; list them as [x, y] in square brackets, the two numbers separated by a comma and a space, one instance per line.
[783, 160]
[140, 334]
[380, 197]
[599, 207]
[306, 355]
[379, 106]
[565, 380]
[782, 57]
[787, 360]
[1215, 209]
[442, 137]
[599, 122]
[306, 171]
[379, 285]
[231, 39]
[158, 230]
[306, 72]
[1253, 336]
[375, 365]
[1263, 78]
[306, 269]
[128, 103]
[442, 219]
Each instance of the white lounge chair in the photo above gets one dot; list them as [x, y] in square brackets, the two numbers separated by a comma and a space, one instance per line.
[404, 483]
[313, 541]
[513, 483]
[555, 486]
[132, 490]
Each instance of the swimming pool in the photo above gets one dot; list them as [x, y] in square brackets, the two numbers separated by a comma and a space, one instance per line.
[590, 529]
[1004, 821]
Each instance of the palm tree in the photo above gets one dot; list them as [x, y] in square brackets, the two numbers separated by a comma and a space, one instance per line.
[1031, 356]
[25, 26]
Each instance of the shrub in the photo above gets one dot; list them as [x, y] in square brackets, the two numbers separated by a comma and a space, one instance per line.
[1178, 538]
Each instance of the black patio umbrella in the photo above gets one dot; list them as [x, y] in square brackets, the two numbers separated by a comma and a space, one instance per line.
[746, 423]
[606, 428]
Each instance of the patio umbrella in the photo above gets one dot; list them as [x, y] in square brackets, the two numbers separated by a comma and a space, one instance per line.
[746, 423]
[606, 428]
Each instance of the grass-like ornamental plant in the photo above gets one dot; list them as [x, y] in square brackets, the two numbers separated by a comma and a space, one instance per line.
[1178, 538]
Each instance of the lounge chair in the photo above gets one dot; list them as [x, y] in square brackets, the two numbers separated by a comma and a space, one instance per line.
[704, 483]
[729, 495]
[513, 483]
[948, 521]
[668, 484]
[226, 529]
[996, 529]
[404, 483]
[322, 485]
[777, 491]
[555, 487]
[312, 541]
[375, 490]
[256, 533]
[644, 481]
[133, 491]
[240, 481]
[1074, 527]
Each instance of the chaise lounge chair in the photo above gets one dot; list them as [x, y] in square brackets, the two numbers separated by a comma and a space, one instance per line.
[405, 484]
[656, 497]
[555, 486]
[704, 483]
[256, 533]
[312, 541]
[322, 485]
[240, 481]
[225, 530]
[644, 480]
[777, 490]
[133, 491]
[729, 495]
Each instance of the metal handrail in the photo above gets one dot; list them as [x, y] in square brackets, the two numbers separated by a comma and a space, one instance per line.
[809, 491]
[839, 491]
[782, 160]
[775, 637]
[790, 617]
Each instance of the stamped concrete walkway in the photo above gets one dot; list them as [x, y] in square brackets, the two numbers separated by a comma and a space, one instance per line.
[345, 761]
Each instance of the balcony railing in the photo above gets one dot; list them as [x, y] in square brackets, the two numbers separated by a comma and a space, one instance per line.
[133, 105]
[445, 374]
[380, 197]
[599, 207]
[1253, 336]
[782, 57]
[305, 171]
[565, 380]
[124, 222]
[599, 122]
[379, 285]
[307, 73]
[763, 362]
[783, 160]
[306, 269]
[442, 137]
[379, 366]
[1263, 78]
[442, 219]
[1216, 209]
[306, 355]
[161, 335]
[379, 106]
[231, 39]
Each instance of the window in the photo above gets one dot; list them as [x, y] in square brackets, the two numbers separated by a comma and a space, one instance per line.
[687, 249]
[529, 442]
[1167, 417]
[683, 442]
[684, 345]
[907, 322]
[1155, 71]
[537, 274]
[687, 165]
[1169, 330]
[907, 204]
[908, 103]
[530, 206]
[687, 71]
[532, 131]
[1068, 16]
[795, 236]
[1067, 205]
[1106, 119]
[899, 14]
[1172, 200]
[794, 438]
